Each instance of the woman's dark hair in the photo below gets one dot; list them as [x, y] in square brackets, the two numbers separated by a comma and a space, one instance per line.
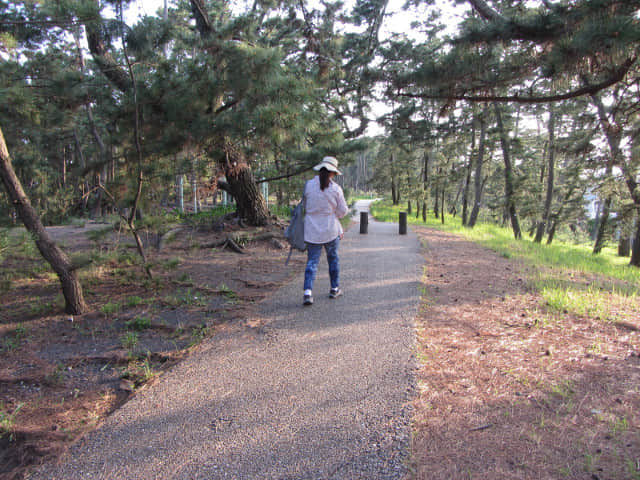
[325, 178]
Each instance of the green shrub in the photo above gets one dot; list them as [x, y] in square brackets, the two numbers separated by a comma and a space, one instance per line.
[8, 420]
[110, 309]
[134, 301]
[139, 323]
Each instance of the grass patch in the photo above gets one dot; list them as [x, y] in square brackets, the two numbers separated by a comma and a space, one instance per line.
[4, 242]
[227, 292]
[99, 235]
[569, 277]
[208, 216]
[110, 309]
[135, 300]
[198, 335]
[8, 421]
[172, 263]
[280, 211]
[138, 323]
[13, 340]
[184, 298]
[129, 340]
[591, 301]
[571, 257]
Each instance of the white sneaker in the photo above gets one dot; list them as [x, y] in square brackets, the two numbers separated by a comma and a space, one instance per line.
[308, 299]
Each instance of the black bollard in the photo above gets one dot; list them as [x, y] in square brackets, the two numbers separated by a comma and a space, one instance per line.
[403, 223]
[364, 222]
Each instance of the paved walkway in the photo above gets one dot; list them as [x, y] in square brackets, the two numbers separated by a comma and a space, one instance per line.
[318, 392]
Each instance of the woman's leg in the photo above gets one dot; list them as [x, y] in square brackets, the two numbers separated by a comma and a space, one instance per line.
[313, 257]
[334, 262]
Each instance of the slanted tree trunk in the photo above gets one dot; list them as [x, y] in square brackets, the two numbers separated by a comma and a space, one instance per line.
[613, 133]
[552, 229]
[478, 183]
[508, 176]
[453, 209]
[556, 217]
[60, 263]
[603, 223]
[543, 224]
[241, 184]
[613, 136]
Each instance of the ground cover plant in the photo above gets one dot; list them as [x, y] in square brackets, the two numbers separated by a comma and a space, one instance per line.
[60, 375]
[529, 361]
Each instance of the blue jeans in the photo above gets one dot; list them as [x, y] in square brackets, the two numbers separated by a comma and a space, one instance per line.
[314, 251]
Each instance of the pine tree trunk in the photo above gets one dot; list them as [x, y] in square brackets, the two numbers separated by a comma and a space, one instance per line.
[425, 186]
[395, 194]
[602, 226]
[508, 176]
[624, 246]
[180, 192]
[250, 204]
[60, 263]
[635, 251]
[555, 218]
[453, 209]
[612, 134]
[552, 231]
[467, 182]
[473, 218]
[543, 224]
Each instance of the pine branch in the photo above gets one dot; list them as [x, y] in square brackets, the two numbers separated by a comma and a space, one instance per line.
[617, 76]
[514, 30]
[546, 29]
[286, 175]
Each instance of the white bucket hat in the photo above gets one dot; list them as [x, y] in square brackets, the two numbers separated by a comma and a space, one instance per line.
[330, 163]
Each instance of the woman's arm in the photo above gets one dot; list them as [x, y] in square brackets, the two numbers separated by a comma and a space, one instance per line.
[341, 206]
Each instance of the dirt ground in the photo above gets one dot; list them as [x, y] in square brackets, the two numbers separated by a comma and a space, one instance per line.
[506, 388]
[61, 375]
[510, 390]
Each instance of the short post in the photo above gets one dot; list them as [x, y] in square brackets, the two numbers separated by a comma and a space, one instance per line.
[403, 223]
[364, 222]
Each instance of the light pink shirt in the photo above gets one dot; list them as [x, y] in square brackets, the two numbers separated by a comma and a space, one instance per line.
[323, 211]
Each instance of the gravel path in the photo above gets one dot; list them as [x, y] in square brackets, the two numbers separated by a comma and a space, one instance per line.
[317, 392]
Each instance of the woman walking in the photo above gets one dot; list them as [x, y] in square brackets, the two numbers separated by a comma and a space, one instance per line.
[324, 205]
